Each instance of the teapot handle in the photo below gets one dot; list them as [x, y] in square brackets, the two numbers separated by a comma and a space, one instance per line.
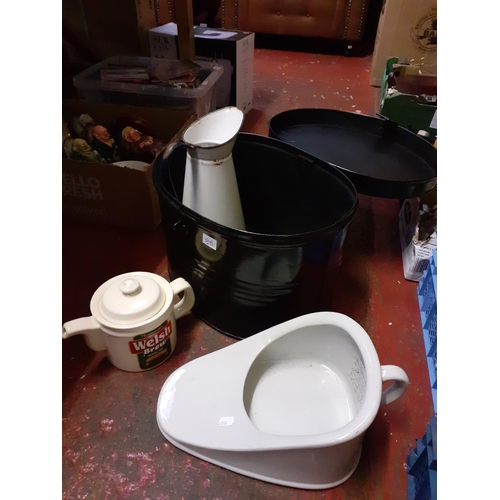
[186, 303]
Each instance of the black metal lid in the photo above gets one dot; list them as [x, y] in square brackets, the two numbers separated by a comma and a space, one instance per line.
[379, 157]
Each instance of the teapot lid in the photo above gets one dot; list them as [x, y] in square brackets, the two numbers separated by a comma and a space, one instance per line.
[130, 298]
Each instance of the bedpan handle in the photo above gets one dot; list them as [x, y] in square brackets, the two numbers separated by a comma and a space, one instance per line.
[399, 383]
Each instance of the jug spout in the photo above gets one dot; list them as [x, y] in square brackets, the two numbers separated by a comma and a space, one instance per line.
[212, 136]
[88, 327]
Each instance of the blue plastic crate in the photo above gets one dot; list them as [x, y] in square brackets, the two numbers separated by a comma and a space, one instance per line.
[426, 294]
[432, 365]
[419, 487]
[427, 300]
[422, 460]
[431, 326]
[431, 440]
[422, 466]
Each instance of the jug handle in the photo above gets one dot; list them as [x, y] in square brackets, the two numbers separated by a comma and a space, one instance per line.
[168, 151]
[399, 384]
[173, 146]
[186, 303]
[89, 328]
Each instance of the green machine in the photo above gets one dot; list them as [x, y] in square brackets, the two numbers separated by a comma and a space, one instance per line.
[409, 98]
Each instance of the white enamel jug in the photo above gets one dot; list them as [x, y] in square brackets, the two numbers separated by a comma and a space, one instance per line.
[210, 184]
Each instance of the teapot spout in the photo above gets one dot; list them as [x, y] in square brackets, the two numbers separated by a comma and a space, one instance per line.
[88, 327]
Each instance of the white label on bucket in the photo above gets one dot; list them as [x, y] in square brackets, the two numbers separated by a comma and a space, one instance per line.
[225, 421]
[209, 242]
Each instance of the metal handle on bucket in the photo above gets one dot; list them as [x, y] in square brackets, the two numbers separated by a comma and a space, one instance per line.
[399, 384]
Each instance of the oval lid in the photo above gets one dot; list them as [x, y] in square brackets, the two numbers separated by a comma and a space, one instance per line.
[131, 298]
[380, 157]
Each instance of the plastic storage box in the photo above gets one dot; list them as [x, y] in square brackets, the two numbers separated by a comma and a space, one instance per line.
[200, 100]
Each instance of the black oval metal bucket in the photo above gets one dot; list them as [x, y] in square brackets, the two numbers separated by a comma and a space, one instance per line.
[297, 211]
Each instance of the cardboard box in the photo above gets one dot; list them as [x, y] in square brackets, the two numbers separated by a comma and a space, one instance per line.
[233, 49]
[110, 194]
[120, 26]
[415, 253]
[406, 30]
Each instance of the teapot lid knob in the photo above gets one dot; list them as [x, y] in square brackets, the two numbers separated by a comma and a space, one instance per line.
[130, 286]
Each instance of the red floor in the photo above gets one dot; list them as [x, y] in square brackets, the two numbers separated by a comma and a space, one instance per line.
[112, 447]
[288, 80]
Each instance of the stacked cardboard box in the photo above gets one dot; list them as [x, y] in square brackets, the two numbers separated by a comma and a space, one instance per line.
[406, 30]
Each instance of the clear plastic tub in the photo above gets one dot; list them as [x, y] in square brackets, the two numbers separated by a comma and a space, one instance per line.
[200, 100]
